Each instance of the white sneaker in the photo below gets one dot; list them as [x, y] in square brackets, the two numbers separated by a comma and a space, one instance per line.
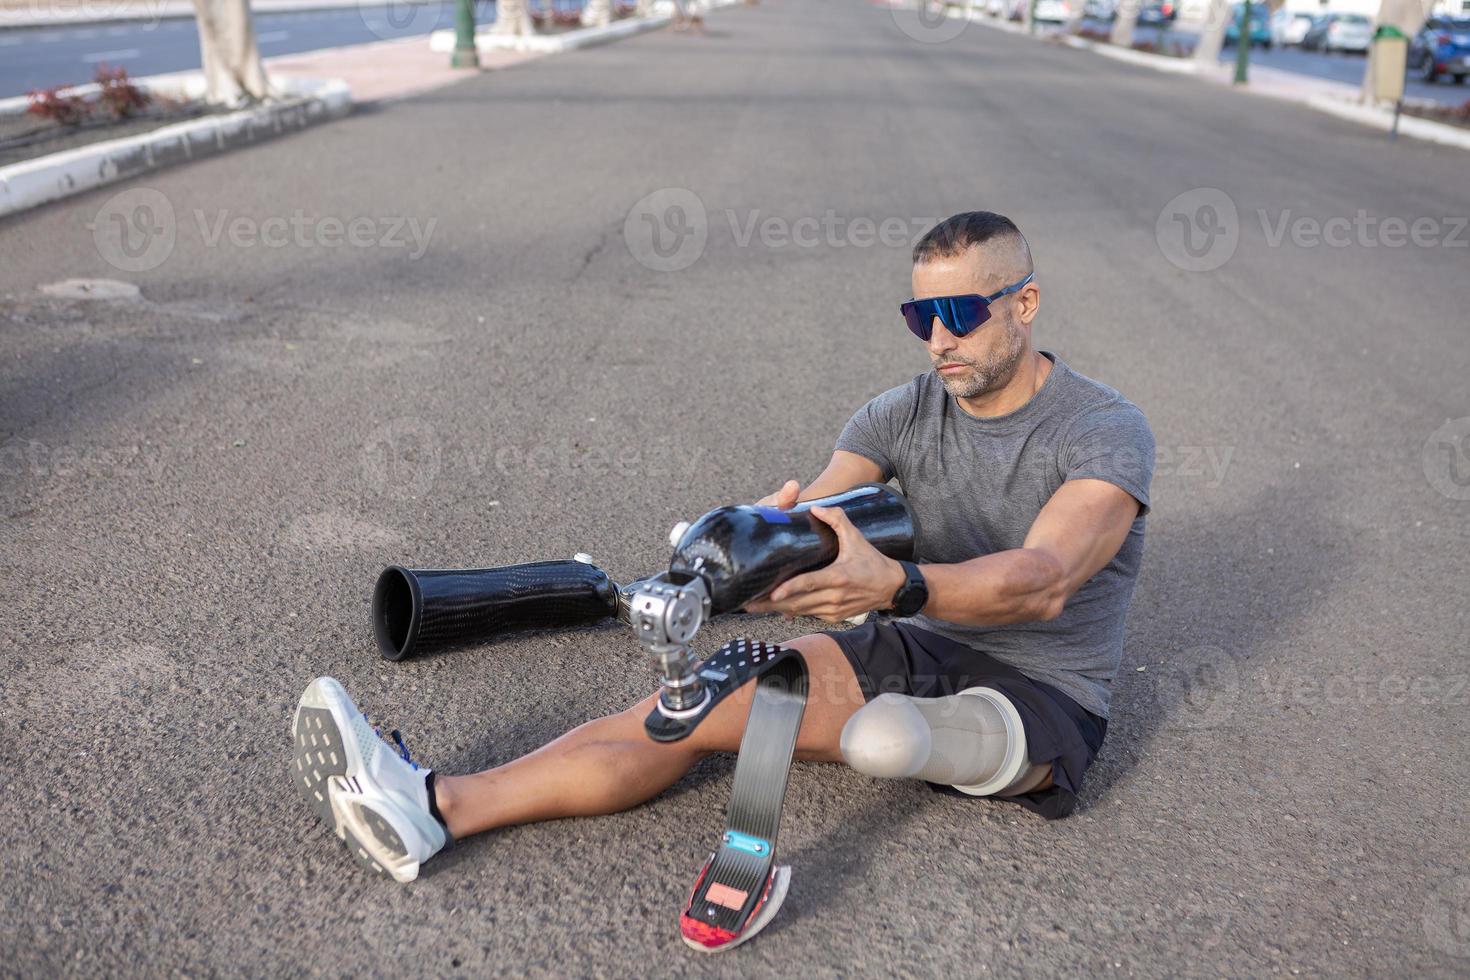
[372, 796]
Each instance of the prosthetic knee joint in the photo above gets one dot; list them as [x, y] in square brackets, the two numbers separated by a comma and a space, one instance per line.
[973, 741]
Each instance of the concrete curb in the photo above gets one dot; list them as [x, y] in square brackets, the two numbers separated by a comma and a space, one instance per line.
[1382, 119]
[442, 42]
[156, 10]
[1158, 62]
[50, 178]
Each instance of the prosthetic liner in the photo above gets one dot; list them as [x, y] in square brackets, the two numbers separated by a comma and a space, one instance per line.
[973, 741]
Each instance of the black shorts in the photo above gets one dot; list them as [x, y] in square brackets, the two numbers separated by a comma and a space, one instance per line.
[904, 659]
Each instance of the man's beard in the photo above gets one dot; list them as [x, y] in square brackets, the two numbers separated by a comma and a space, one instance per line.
[985, 375]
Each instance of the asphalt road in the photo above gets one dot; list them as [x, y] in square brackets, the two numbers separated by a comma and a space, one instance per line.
[200, 487]
[40, 57]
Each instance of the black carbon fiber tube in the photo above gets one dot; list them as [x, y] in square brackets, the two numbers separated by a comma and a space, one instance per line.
[745, 551]
[422, 610]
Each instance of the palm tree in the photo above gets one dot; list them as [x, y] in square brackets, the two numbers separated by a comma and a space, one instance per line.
[228, 52]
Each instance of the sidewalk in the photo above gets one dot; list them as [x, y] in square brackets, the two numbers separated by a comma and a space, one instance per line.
[389, 69]
[1325, 95]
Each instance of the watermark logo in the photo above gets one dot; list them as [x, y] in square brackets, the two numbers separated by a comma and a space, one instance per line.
[63, 12]
[301, 230]
[1199, 688]
[1198, 230]
[1447, 916]
[135, 230]
[408, 18]
[401, 458]
[928, 22]
[1446, 458]
[667, 230]
[1361, 230]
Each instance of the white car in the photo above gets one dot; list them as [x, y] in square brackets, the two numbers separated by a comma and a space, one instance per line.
[1053, 11]
[1339, 32]
[1289, 28]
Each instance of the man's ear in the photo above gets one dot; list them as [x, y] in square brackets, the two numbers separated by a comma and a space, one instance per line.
[1028, 303]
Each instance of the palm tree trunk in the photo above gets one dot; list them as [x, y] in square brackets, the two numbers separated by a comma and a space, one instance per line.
[228, 52]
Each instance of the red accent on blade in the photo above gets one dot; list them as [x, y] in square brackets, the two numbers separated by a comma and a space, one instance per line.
[731, 898]
[704, 933]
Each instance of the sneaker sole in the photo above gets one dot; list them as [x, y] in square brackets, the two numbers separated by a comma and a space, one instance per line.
[323, 767]
[358, 821]
[318, 753]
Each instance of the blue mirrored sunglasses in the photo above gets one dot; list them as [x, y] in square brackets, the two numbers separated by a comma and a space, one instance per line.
[959, 314]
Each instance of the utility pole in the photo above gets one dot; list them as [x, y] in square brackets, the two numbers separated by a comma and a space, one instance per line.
[1243, 44]
[465, 54]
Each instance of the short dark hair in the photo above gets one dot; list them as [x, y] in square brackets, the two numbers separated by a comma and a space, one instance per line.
[953, 236]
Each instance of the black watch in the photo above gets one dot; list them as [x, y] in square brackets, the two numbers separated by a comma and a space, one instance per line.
[913, 595]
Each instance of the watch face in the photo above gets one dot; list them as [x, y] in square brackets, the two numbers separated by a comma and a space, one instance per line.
[913, 595]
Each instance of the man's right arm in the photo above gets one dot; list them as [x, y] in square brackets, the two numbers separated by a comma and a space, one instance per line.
[845, 471]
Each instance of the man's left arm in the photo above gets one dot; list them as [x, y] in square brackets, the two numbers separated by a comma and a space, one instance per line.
[1077, 533]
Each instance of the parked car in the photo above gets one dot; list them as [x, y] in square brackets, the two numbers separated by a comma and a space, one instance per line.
[1157, 14]
[1260, 29]
[1289, 28]
[1442, 47]
[1339, 32]
[1053, 11]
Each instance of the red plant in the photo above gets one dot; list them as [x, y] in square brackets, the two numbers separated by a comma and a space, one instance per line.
[118, 93]
[64, 110]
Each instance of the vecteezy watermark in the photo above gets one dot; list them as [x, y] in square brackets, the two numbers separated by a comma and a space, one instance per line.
[302, 230]
[135, 230]
[401, 458]
[669, 229]
[1361, 230]
[831, 230]
[1198, 231]
[1446, 459]
[1447, 916]
[666, 231]
[930, 21]
[1363, 690]
[61, 12]
[31, 459]
[407, 18]
[1198, 687]
[404, 457]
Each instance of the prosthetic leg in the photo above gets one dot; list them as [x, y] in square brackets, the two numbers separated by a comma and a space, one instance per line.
[722, 561]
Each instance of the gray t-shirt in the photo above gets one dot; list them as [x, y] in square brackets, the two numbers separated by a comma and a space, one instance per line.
[977, 485]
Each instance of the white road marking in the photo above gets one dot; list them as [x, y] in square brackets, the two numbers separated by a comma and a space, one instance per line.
[118, 55]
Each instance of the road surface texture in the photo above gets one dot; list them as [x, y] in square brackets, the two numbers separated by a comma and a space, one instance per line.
[201, 485]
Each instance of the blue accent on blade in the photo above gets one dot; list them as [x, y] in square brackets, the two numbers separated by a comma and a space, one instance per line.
[747, 843]
[774, 515]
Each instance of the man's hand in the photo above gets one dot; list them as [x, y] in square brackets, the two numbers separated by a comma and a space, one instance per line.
[785, 498]
[860, 579]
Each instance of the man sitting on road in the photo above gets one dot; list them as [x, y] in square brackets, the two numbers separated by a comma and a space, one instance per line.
[1029, 483]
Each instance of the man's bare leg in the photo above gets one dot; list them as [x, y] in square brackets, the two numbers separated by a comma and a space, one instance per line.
[611, 764]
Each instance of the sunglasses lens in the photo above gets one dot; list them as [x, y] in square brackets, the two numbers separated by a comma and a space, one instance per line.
[966, 314]
[919, 316]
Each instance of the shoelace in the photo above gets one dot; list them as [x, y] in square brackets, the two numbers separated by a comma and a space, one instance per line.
[397, 740]
[402, 748]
